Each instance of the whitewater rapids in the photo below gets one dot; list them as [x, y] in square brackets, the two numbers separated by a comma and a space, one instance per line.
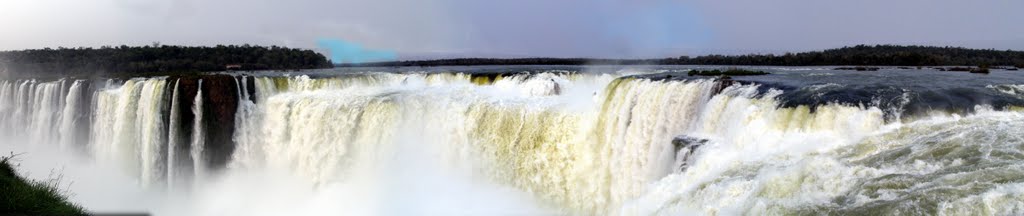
[541, 143]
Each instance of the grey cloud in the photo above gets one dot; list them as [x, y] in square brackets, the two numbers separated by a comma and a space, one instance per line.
[597, 28]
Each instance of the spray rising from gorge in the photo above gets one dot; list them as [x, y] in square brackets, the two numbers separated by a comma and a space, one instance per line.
[548, 141]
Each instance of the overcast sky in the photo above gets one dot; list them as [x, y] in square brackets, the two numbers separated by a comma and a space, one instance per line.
[516, 28]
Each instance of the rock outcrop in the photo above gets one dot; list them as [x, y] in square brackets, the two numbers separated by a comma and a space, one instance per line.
[220, 102]
[685, 146]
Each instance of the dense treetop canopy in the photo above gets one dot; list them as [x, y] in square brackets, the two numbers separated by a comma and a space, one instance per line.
[163, 59]
[889, 55]
[156, 59]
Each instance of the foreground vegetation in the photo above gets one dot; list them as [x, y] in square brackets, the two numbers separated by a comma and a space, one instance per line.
[878, 55]
[156, 59]
[20, 196]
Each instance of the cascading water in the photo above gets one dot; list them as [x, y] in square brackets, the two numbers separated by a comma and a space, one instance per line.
[129, 129]
[72, 115]
[571, 143]
[198, 134]
[174, 140]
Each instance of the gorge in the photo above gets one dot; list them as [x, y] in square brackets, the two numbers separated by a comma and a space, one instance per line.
[542, 140]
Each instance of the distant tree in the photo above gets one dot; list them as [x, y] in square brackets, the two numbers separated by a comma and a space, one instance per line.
[156, 59]
[892, 55]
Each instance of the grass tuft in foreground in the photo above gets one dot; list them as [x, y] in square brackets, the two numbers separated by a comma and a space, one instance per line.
[20, 196]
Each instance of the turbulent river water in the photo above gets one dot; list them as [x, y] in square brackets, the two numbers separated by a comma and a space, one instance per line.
[528, 141]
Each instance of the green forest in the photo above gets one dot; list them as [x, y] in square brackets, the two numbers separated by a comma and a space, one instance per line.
[156, 59]
[165, 59]
[876, 55]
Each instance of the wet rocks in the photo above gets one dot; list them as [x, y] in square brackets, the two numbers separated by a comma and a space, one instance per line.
[220, 102]
[980, 70]
[721, 84]
[685, 146]
[858, 68]
[729, 72]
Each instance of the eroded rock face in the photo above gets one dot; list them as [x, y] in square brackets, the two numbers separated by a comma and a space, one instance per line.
[220, 93]
[685, 146]
[721, 84]
[220, 102]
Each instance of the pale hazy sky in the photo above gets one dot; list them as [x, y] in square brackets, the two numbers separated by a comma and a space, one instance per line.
[559, 28]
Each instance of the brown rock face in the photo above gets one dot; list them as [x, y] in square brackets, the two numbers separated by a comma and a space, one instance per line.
[220, 95]
[220, 101]
[721, 84]
[685, 147]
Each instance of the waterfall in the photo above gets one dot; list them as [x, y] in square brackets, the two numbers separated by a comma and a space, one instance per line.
[42, 113]
[128, 128]
[638, 121]
[321, 132]
[591, 159]
[752, 139]
[73, 115]
[174, 138]
[153, 132]
[247, 121]
[198, 134]
[576, 143]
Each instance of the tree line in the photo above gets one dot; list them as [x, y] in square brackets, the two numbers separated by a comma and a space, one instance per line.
[156, 59]
[164, 59]
[881, 55]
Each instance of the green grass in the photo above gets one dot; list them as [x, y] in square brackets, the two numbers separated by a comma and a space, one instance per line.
[20, 196]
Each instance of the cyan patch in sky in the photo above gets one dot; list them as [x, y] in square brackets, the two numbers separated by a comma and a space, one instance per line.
[349, 52]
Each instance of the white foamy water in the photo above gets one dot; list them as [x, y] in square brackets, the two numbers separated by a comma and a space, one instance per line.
[547, 143]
